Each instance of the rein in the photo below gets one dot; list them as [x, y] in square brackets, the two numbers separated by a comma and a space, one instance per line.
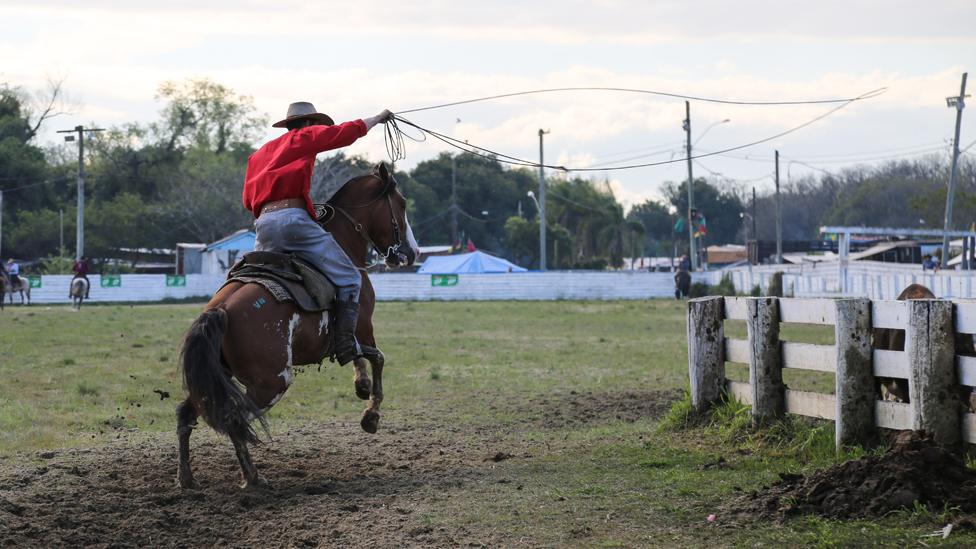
[361, 229]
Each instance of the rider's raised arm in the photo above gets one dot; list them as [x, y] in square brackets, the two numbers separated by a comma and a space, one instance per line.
[316, 139]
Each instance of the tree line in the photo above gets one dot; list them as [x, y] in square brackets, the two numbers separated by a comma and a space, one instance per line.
[179, 177]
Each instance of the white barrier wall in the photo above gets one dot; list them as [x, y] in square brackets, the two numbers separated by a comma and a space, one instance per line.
[871, 279]
[551, 285]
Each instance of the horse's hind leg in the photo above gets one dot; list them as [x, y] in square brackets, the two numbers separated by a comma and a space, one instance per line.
[186, 419]
[371, 416]
[250, 473]
[363, 385]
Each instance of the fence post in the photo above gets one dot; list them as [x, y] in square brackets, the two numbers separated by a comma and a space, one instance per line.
[765, 362]
[932, 387]
[706, 350]
[855, 386]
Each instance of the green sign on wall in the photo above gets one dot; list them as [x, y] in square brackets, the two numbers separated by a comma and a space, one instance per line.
[35, 281]
[176, 280]
[111, 281]
[444, 280]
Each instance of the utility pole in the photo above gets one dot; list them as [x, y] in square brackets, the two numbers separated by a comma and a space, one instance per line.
[542, 205]
[692, 249]
[959, 102]
[454, 207]
[779, 218]
[61, 231]
[80, 234]
[754, 233]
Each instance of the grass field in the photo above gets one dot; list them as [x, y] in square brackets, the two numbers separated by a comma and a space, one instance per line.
[516, 370]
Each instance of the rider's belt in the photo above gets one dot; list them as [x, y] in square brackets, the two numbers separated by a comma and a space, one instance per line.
[283, 204]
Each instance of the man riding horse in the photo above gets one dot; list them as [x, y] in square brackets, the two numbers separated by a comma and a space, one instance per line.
[13, 272]
[81, 269]
[276, 191]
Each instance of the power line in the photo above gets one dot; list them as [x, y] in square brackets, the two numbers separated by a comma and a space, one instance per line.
[907, 148]
[467, 147]
[35, 184]
[868, 95]
[870, 158]
[579, 205]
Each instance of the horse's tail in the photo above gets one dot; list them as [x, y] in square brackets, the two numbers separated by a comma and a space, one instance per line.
[219, 399]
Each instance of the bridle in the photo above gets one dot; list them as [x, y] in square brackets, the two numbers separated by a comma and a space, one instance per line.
[392, 252]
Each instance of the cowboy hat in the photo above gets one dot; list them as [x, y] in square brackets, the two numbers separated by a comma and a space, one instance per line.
[303, 110]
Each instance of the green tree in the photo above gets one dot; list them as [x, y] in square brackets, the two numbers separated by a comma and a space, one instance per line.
[487, 196]
[721, 208]
[658, 227]
[201, 114]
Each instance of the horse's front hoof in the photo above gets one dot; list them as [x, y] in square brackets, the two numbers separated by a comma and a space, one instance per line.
[363, 388]
[187, 482]
[370, 421]
[258, 483]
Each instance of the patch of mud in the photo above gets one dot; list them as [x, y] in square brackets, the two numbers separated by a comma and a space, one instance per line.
[574, 409]
[914, 469]
[332, 484]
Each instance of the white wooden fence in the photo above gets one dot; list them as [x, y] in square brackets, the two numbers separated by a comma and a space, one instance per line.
[551, 285]
[928, 362]
[871, 279]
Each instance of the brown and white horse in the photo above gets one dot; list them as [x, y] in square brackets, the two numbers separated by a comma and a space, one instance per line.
[246, 338]
[896, 390]
[77, 291]
[22, 286]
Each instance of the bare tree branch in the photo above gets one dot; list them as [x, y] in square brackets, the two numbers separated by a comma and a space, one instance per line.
[52, 101]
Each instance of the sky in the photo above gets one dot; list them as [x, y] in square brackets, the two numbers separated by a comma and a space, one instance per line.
[353, 59]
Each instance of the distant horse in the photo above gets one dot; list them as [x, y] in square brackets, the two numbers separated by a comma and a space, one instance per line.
[682, 284]
[22, 286]
[888, 339]
[77, 292]
[245, 333]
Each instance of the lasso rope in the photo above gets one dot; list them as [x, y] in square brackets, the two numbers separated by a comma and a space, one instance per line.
[396, 148]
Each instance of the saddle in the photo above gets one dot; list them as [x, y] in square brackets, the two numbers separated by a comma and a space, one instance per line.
[287, 278]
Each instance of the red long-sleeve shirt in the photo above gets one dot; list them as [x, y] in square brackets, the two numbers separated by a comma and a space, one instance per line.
[282, 168]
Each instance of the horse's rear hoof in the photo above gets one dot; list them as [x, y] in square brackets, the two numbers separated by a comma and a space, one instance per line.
[370, 421]
[363, 388]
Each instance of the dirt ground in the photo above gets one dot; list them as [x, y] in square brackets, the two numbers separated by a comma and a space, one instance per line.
[332, 484]
[913, 469]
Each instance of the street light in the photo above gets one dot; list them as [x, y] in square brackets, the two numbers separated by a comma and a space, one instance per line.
[708, 128]
[686, 126]
[531, 195]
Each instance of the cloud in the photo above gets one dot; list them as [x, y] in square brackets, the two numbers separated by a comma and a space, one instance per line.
[352, 61]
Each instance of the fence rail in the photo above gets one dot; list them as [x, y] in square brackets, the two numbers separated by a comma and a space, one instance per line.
[935, 374]
[871, 279]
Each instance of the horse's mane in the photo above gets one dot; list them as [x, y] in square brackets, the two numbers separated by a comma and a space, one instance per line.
[337, 196]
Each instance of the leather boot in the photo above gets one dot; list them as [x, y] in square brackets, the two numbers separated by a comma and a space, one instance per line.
[346, 348]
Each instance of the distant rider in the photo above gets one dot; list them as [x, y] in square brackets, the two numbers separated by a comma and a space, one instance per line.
[81, 269]
[13, 271]
[276, 191]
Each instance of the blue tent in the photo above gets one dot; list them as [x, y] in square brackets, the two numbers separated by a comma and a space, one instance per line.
[474, 262]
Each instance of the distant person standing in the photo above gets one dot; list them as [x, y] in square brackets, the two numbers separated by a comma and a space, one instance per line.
[928, 263]
[81, 269]
[684, 264]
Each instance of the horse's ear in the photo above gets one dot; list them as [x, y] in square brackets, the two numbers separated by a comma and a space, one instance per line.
[383, 173]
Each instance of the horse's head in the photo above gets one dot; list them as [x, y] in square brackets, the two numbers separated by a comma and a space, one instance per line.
[378, 212]
[391, 230]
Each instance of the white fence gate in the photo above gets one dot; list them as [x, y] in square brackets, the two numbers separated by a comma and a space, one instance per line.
[929, 363]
